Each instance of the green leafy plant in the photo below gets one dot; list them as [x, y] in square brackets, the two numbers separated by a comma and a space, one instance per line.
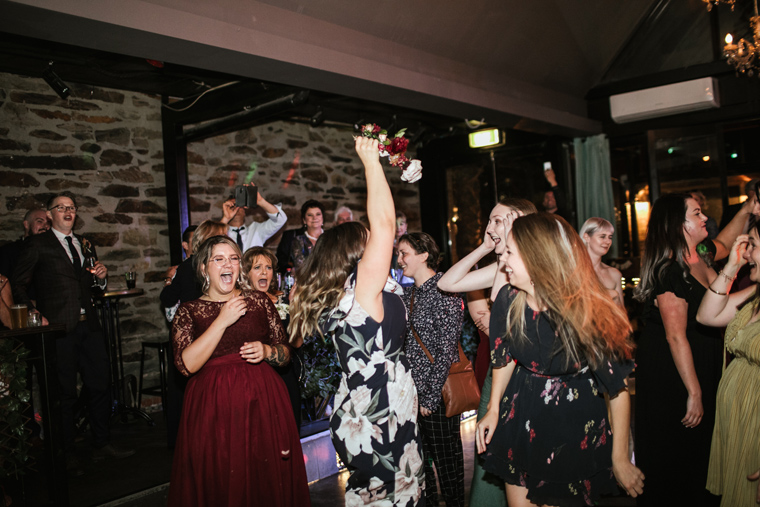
[15, 446]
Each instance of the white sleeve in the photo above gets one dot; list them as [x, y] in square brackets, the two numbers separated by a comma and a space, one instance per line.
[257, 233]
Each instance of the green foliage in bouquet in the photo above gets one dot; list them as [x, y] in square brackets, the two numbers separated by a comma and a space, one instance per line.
[15, 447]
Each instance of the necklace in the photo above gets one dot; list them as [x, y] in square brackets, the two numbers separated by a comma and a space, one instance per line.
[312, 238]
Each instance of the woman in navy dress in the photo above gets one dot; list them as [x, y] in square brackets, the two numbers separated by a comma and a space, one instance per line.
[340, 297]
[558, 343]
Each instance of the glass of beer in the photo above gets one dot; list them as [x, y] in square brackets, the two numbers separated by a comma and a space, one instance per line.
[131, 278]
[18, 316]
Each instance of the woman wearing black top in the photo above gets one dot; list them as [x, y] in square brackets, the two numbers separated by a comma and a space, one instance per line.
[436, 318]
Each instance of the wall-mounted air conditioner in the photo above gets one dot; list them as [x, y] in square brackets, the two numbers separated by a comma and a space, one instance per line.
[665, 100]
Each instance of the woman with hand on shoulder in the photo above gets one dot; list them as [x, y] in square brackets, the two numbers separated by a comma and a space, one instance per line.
[435, 323]
[736, 438]
[486, 488]
[238, 443]
[559, 343]
[597, 233]
[339, 294]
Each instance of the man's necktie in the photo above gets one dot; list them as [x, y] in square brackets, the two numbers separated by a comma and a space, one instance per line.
[240, 238]
[74, 255]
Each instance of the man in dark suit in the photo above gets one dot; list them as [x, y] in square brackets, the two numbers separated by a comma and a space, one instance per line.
[51, 264]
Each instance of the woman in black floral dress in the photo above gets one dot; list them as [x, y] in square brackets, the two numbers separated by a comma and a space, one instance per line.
[558, 343]
[340, 296]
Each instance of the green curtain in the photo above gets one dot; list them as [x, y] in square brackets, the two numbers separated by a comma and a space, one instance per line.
[594, 181]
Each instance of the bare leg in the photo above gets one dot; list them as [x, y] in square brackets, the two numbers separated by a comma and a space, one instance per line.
[517, 496]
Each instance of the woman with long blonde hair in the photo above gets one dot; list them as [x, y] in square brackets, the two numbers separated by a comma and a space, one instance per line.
[559, 343]
[339, 295]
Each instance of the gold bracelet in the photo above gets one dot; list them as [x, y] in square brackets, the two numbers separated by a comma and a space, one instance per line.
[716, 292]
[728, 278]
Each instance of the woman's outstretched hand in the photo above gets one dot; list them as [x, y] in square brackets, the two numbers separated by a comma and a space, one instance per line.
[368, 150]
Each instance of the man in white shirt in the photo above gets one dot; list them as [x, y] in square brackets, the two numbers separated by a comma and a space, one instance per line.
[255, 233]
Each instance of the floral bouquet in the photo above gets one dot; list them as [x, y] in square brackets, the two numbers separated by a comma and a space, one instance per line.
[283, 309]
[395, 149]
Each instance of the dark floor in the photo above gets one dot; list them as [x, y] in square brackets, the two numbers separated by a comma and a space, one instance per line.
[142, 480]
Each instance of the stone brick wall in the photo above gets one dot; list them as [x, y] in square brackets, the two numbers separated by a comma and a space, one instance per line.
[290, 163]
[105, 147]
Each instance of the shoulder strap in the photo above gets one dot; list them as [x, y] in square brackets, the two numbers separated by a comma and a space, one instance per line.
[414, 332]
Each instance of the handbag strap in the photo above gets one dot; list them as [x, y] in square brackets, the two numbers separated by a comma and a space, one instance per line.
[414, 332]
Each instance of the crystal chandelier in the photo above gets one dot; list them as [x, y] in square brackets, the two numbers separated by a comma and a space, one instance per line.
[710, 3]
[742, 54]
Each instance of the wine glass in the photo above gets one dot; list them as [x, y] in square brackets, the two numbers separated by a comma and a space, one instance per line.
[89, 265]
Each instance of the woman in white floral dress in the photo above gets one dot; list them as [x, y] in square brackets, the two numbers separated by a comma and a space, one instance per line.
[374, 424]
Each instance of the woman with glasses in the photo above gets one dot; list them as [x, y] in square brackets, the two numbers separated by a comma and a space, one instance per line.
[238, 443]
[434, 327]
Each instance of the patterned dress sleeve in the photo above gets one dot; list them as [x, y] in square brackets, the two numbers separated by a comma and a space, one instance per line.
[298, 251]
[611, 375]
[183, 334]
[500, 350]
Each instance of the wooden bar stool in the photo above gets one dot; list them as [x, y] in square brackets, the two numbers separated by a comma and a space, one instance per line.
[160, 389]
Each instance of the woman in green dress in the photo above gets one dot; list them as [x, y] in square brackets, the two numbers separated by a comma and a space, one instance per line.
[736, 437]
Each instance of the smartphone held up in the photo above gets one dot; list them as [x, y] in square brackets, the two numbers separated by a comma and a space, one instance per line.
[246, 196]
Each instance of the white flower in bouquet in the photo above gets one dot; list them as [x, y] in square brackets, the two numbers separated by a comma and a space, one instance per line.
[283, 309]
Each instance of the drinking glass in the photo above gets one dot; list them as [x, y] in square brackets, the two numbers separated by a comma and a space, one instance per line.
[18, 316]
[89, 265]
[131, 278]
[34, 319]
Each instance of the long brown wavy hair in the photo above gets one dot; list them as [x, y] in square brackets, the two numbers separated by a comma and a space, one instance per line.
[589, 323]
[320, 279]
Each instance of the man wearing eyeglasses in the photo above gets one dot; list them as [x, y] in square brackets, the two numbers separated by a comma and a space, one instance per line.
[51, 265]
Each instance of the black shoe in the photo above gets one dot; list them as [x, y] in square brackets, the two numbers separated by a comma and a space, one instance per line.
[74, 466]
[111, 451]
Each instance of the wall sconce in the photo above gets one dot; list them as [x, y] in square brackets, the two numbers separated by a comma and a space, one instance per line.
[318, 118]
[55, 82]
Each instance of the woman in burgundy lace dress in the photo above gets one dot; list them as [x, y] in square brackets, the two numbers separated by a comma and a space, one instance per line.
[238, 443]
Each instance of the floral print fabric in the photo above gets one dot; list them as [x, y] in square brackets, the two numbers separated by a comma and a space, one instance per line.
[374, 423]
[553, 435]
[437, 317]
